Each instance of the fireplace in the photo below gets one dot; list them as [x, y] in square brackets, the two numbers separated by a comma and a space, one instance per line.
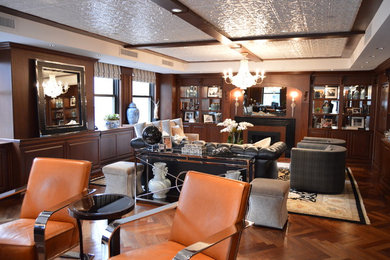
[279, 129]
[254, 136]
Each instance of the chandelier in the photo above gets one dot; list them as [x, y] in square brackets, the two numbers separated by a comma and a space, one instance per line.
[243, 79]
[53, 88]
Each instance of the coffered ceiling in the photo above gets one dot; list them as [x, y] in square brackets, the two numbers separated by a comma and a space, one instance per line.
[199, 31]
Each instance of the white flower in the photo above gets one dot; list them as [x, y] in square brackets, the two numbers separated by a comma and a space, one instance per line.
[232, 126]
[243, 126]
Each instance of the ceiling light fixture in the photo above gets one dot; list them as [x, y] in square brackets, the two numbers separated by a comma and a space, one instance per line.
[243, 79]
[176, 10]
[53, 88]
[380, 48]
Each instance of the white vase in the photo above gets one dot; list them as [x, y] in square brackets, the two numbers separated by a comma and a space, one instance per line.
[159, 184]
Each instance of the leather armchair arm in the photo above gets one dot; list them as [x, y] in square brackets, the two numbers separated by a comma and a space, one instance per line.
[13, 192]
[43, 218]
[212, 240]
[114, 226]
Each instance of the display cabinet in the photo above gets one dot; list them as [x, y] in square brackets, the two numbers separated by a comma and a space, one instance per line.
[356, 107]
[201, 104]
[325, 106]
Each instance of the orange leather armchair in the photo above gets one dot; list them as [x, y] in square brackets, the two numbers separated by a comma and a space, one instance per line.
[207, 225]
[52, 185]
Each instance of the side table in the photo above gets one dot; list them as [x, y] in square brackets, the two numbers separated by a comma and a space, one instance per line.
[97, 207]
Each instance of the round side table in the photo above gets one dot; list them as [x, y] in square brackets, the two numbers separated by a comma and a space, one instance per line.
[97, 207]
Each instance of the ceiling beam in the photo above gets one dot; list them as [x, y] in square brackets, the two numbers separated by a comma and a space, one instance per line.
[367, 10]
[242, 40]
[183, 12]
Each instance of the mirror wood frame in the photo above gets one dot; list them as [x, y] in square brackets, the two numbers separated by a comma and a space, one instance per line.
[44, 128]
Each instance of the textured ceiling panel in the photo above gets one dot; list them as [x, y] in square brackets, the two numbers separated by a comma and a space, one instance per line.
[130, 21]
[239, 18]
[200, 53]
[298, 49]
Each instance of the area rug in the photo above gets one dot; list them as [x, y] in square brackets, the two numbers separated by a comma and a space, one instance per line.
[347, 206]
[99, 181]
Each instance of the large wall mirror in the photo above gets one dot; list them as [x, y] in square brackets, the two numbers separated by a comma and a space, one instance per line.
[61, 97]
[265, 101]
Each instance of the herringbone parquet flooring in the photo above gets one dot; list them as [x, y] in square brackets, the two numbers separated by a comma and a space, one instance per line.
[304, 237]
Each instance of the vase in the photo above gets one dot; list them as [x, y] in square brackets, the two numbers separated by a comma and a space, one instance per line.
[235, 138]
[110, 124]
[132, 114]
[159, 184]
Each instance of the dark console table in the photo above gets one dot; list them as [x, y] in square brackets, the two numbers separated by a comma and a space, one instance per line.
[178, 162]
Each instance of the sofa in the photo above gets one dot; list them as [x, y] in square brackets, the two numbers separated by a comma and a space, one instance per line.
[318, 168]
[265, 156]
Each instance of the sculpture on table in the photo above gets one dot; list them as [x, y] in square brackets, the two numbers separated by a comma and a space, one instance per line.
[159, 184]
[151, 135]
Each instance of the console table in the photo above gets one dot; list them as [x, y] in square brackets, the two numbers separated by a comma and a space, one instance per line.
[178, 162]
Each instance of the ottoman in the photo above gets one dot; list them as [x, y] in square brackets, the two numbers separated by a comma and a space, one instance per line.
[268, 202]
[121, 179]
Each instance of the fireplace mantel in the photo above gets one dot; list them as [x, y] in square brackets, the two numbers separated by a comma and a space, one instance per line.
[284, 126]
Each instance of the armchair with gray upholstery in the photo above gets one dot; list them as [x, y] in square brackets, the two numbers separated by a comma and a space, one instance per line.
[318, 168]
[322, 140]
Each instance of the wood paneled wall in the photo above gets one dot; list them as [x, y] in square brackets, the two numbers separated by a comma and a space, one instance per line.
[18, 64]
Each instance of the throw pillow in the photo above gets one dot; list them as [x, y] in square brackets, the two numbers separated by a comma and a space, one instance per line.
[176, 130]
[263, 143]
[138, 129]
[166, 127]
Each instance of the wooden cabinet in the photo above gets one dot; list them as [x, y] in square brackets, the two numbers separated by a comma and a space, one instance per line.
[384, 178]
[342, 105]
[207, 132]
[5, 167]
[115, 144]
[98, 147]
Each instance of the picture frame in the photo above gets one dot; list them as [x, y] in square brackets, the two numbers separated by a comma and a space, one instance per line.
[356, 110]
[188, 115]
[208, 119]
[167, 142]
[72, 101]
[213, 92]
[349, 110]
[357, 121]
[326, 122]
[319, 93]
[331, 92]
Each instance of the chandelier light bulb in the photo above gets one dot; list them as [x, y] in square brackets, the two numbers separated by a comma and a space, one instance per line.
[53, 88]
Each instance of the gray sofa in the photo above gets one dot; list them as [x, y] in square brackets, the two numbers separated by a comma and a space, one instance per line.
[318, 168]
[265, 158]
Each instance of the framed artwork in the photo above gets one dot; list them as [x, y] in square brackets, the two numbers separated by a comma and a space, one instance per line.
[331, 92]
[167, 142]
[72, 101]
[188, 115]
[356, 110]
[208, 119]
[349, 110]
[357, 122]
[326, 122]
[213, 92]
[319, 93]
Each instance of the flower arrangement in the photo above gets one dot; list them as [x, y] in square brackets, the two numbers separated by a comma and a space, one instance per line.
[234, 129]
[111, 117]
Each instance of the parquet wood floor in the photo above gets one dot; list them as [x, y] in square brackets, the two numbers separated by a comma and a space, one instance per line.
[304, 237]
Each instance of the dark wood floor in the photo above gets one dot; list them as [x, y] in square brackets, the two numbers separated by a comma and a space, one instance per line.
[304, 237]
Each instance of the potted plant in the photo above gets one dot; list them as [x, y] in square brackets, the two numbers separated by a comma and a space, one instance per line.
[112, 121]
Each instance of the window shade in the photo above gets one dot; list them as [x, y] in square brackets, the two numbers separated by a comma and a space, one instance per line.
[144, 76]
[105, 70]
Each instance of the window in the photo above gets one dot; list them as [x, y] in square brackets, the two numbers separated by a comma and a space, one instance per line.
[143, 94]
[106, 99]
[271, 96]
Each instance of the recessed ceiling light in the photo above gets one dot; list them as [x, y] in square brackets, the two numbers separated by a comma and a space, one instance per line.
[367, 62]
[361, 67]
[52, 45]
[372, 56]
[380, 48]
[176, 10]
[166, 39]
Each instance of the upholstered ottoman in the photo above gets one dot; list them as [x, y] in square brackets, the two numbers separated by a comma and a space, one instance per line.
[268, 202]
[120, 178]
